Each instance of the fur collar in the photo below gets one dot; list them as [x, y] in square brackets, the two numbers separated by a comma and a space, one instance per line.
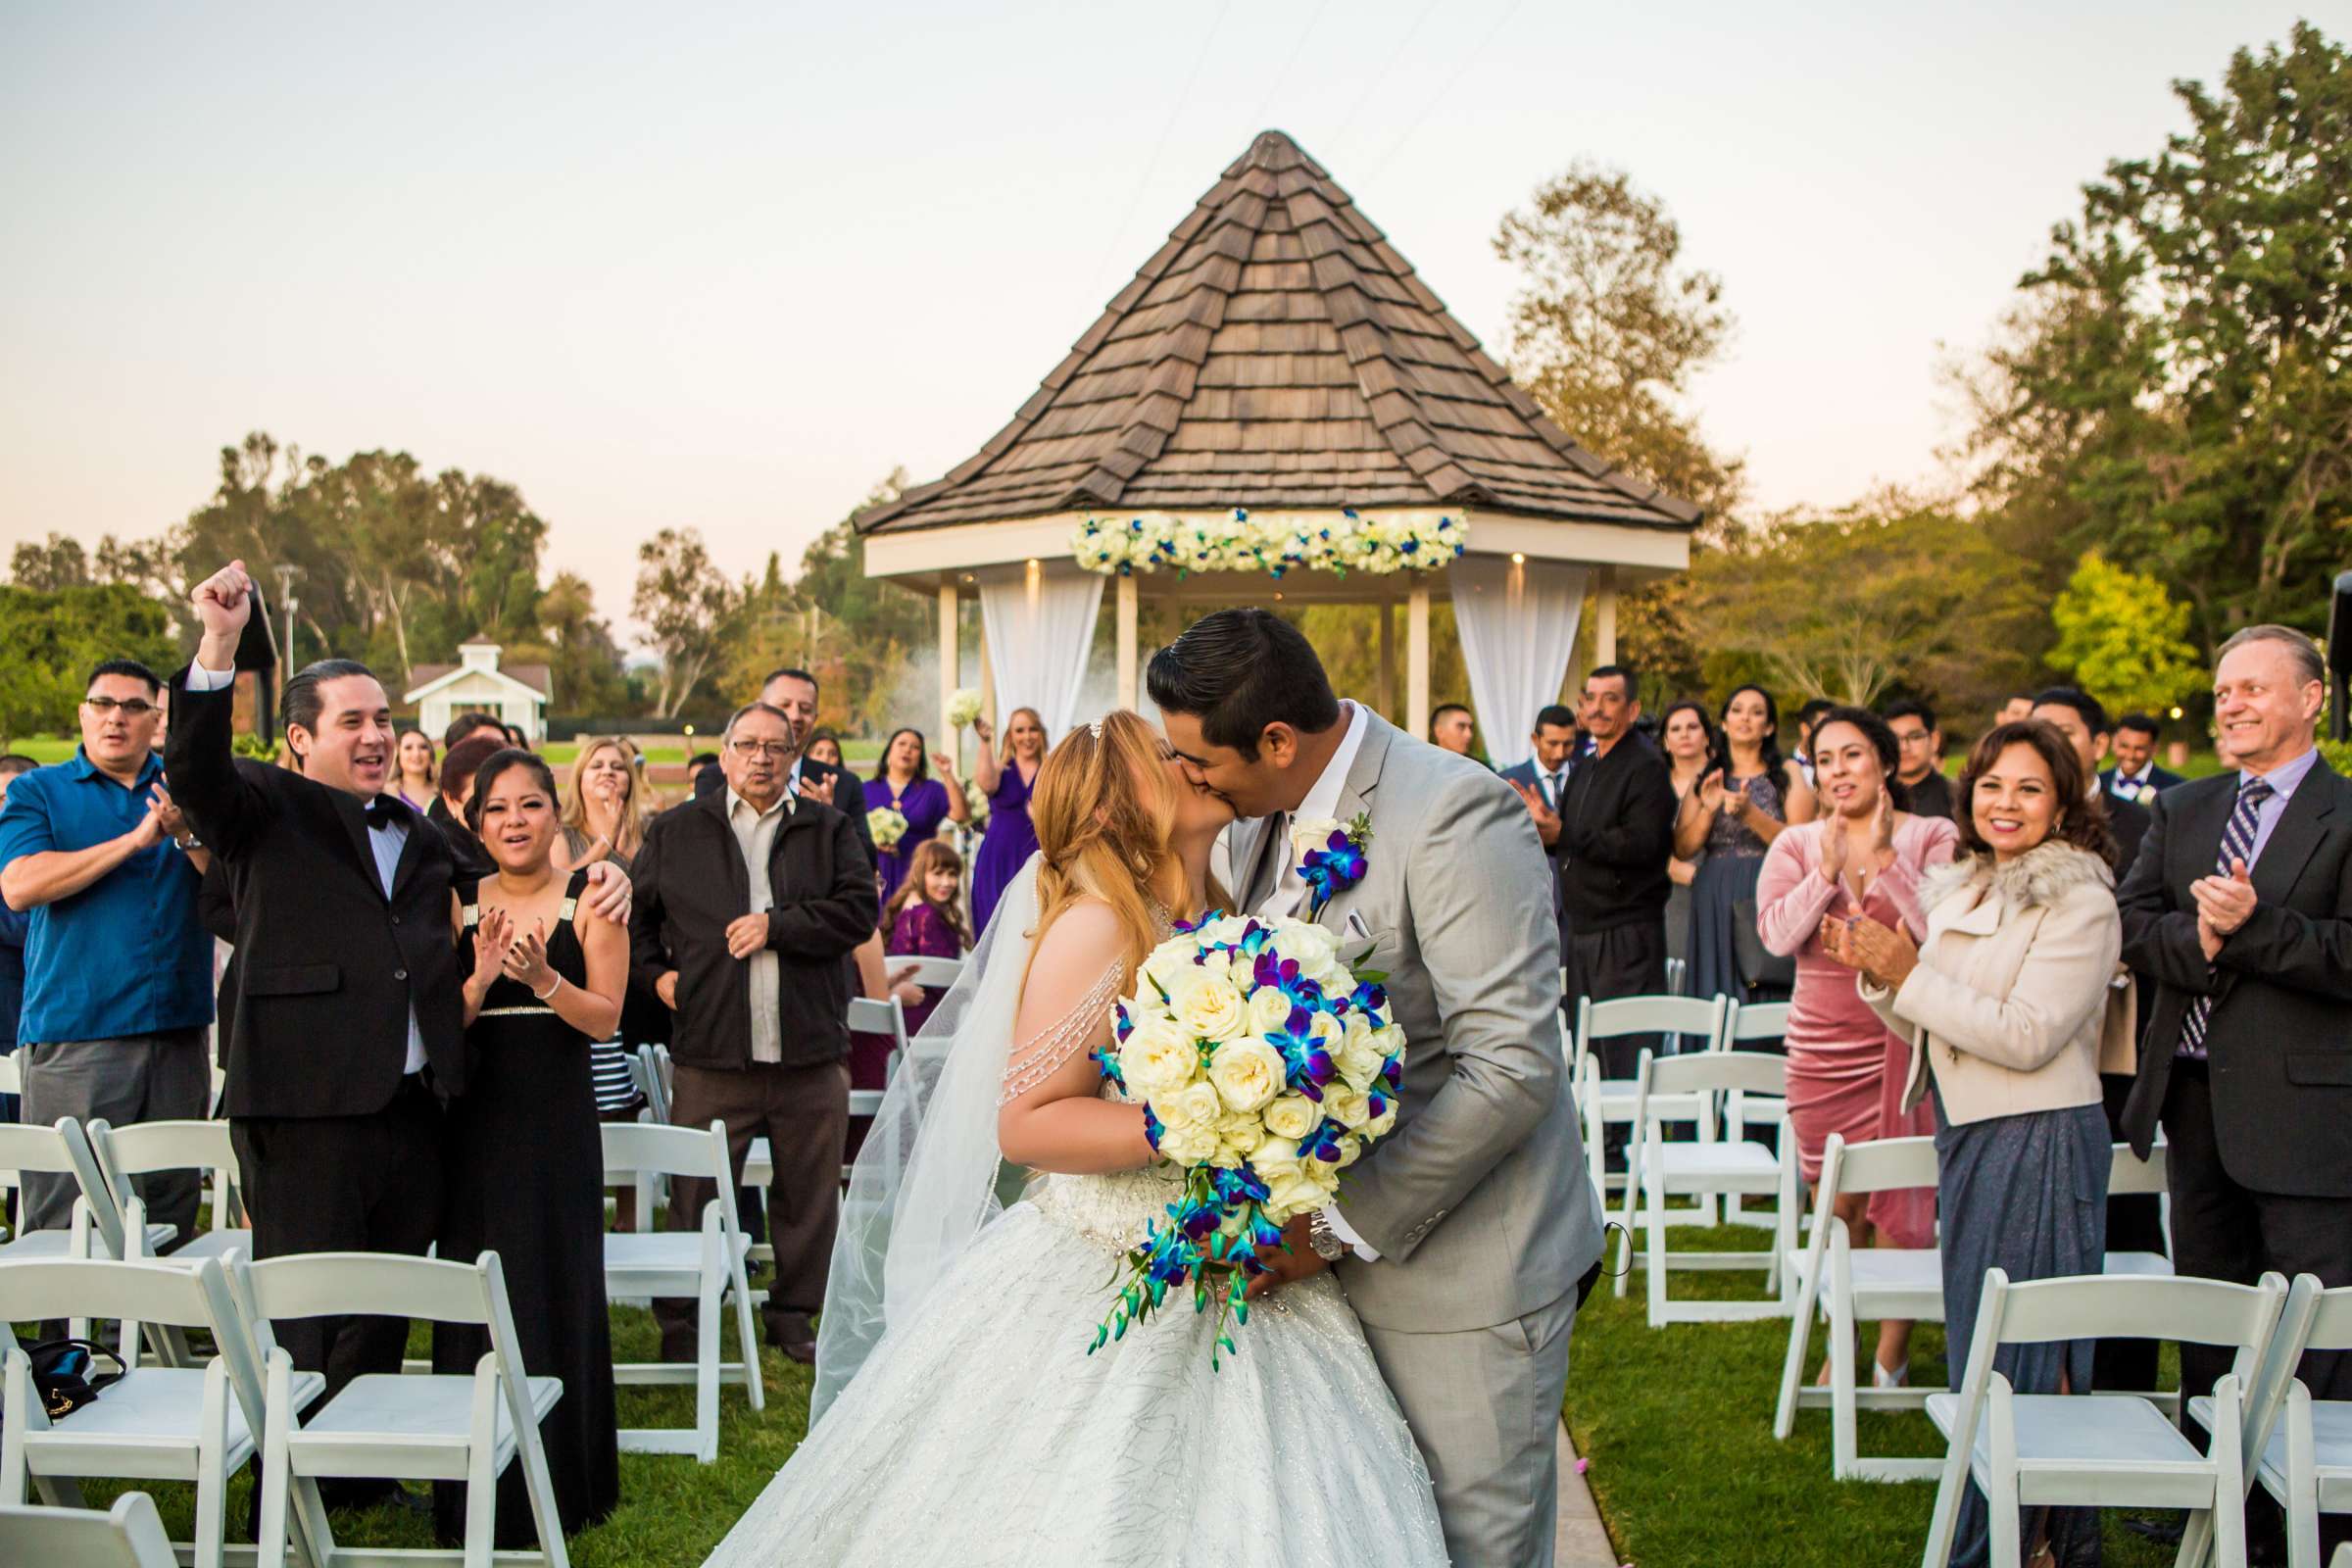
[2037, 879]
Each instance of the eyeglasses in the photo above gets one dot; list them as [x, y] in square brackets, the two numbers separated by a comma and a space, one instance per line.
[775, 751]
[133, 707]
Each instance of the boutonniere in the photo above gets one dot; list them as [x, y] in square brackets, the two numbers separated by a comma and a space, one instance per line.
[2124, 789]
[1331, 858]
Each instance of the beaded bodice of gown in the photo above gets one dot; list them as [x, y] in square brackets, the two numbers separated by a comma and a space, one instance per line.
[1727, 835]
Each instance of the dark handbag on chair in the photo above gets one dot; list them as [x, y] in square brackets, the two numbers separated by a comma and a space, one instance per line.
[65, 1375]
[1758, 965]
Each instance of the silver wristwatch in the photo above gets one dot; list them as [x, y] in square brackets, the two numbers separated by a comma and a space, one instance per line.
[1323, 1239]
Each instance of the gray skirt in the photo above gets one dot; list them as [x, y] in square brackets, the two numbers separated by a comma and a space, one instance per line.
[2027, 1195]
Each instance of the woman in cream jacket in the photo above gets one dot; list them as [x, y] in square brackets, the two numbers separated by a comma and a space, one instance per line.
[2005, 1005]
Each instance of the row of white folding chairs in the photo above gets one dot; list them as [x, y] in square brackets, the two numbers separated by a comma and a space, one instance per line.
[1843, 1285]
[202, 1425]
[1715, 1023]
[2120, 1450]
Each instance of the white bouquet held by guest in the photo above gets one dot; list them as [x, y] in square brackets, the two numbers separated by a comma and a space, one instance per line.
[962, 708]
[888, 824]
[1265, 1069]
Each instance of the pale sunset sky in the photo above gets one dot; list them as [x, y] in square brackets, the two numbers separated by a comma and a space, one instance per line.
[725, 266]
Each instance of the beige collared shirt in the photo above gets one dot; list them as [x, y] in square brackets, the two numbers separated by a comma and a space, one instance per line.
[755, 835]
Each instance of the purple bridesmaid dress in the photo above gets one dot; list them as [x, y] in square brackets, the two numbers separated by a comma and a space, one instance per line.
[1006, 846]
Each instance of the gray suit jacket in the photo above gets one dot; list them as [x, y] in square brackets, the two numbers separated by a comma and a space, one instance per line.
[1477, 1201]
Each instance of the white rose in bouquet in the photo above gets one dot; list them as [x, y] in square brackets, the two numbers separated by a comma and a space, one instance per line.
[1248, 1073]
[1158, 1058]
[963, 706]
[888, 825]
[1292, 1117]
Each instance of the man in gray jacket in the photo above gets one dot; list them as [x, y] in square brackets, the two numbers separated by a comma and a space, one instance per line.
[1474, 1215]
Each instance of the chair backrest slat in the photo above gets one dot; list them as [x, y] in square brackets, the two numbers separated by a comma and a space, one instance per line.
[39, 1288]
[1882, 1164]
[382, 1284]
[883, 1017]
[2196, 1311]
[129, 1535]
[633, 1149]
[929, 971]
[1754, 1072]
[2128, 1173]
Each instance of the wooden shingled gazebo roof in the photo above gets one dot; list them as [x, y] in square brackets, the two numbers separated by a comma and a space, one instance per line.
[1278, 353]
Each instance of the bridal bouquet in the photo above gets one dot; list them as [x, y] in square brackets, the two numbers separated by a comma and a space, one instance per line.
[1265, 1067]
[887, 824]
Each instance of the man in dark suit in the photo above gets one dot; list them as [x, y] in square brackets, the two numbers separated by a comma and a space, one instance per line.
[2240, 907]
[1617, 826]
[1542, 783]
[2135, 775]
[2083, 719]
[346, 1032]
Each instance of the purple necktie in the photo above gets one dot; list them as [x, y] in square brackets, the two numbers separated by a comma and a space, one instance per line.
[2237, 844]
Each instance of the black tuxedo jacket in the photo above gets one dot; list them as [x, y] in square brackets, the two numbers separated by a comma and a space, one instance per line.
[2280, 1042]
[327, 967]
[1617, 829]
[2128, 822]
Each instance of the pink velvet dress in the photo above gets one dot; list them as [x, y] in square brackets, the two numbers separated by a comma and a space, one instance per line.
[1846, 1067]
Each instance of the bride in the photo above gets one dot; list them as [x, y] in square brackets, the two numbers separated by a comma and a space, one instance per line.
[957, 1416]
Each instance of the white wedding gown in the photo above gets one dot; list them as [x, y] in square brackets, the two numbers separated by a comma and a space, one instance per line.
[981, 1432]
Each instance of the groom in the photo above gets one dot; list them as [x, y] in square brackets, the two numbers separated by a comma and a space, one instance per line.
[1464, 1237]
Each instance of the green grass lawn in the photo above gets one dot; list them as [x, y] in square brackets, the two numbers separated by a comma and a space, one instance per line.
[672, 1510]
[1675, 1425]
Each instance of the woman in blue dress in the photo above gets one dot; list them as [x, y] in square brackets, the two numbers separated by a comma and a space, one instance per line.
[1750, 794]
[904, 783]
[1009, 838]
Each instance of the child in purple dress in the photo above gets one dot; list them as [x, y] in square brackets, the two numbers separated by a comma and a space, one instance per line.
[923, 922]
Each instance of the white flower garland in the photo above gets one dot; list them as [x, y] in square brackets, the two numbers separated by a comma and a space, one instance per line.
[1353, 543]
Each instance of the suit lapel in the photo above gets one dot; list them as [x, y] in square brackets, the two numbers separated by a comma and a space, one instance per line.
[1256, 882]
[2300, 829]
[354, 817]
[1356, 796]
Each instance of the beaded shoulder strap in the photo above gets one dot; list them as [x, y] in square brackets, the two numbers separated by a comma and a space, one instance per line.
[1035, 1059]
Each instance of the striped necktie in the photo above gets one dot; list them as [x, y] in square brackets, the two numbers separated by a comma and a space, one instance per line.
[2237, 844]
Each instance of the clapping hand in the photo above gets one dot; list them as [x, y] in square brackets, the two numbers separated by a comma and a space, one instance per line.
[526, 960]
[1884, 955]
[492, 932]
[2224, 904]
[746, 934]
[1832, 849]
[1881, 827]
[1547, 820]
[1711, 792]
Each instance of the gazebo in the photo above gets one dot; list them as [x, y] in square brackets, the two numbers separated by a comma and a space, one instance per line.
[1277, 409]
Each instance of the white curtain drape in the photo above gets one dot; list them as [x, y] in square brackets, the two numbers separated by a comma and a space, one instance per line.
[1518, 627]
[1040, 625]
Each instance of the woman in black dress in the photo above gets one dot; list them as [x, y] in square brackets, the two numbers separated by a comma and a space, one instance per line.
[543, 983]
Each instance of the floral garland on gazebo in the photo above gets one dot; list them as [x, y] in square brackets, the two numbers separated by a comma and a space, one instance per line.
[1350, 543]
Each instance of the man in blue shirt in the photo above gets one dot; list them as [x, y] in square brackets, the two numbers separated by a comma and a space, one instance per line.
[118, 972]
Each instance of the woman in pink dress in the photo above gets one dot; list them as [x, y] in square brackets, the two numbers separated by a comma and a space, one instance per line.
[1863, 855]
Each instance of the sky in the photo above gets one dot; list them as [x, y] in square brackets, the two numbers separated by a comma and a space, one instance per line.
[725, 267]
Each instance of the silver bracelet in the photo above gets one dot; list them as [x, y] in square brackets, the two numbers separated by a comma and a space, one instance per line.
[542, 996]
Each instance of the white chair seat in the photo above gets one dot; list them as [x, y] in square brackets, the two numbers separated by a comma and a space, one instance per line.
[2140, 1265]
[425, 1412]
[2069, 1434]
[36, 1243]
[223, 1245]
[1739, 1166]
[158, 1407]
[655, 1262]
[2331, 1449]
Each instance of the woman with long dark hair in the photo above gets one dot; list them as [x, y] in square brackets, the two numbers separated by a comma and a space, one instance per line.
[902, 783]
[1864, 856]
[1687, 738]
[1748, 798]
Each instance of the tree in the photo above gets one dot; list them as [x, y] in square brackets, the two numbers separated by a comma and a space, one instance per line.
[46, 565]
[53, 639]
[685, 602]
[858, 632]
[579, 648]
[2171, 389]
[1876, 598]
[2123, 639]
[1607, 331]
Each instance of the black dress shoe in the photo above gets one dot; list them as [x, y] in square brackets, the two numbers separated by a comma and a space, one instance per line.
[803, 1353]
[2164, 1531]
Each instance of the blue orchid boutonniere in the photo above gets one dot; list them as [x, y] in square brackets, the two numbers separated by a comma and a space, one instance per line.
[1331, 858]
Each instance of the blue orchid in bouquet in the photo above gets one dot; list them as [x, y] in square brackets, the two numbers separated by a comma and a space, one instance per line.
[1265, 1066]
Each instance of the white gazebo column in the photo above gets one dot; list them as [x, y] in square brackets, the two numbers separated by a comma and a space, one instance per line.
[1604, 616]
[1126, 695]
[1416, 660]
[987, 682]
[1384, 681]
[951, 661]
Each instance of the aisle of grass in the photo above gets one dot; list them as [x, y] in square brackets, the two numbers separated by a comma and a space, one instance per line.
[672, 1510]
[1675, 1425]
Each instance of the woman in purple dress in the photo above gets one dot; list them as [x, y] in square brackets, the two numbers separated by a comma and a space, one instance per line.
[1009, 838]
[904, 783]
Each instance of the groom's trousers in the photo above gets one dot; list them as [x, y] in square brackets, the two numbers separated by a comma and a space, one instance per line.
[1483, 1404]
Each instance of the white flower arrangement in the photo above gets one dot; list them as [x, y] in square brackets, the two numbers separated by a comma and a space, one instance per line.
[1350, 543]
[963, 707]
[888, 825]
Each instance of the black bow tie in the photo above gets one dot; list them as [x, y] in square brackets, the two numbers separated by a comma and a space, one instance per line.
[385, 812]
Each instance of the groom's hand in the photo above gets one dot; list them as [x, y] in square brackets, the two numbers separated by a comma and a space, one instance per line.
[1294, 1260]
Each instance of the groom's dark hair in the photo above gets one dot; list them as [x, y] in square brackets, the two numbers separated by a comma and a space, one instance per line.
[1238, 670]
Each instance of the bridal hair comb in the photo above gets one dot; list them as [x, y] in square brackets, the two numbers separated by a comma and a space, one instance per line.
[1094, 730]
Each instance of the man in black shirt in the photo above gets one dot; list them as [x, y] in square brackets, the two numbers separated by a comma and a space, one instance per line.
[1920, 764]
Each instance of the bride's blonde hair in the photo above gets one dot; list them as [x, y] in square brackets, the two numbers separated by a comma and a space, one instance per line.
[1103, 807]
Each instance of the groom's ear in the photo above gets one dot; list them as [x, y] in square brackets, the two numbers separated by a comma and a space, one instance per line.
[1278, 744]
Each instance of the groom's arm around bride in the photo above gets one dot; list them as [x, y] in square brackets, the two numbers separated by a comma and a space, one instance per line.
[1473, 1221]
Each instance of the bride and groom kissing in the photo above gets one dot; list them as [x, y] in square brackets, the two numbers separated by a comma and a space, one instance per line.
[1395, 1399]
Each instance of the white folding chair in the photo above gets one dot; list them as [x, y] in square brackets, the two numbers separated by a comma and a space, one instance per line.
[2299, 1448]
[1677, 972]
[64, 1149]
[2111, 1452]
[145, 1147]
[158, 1423]
[704, 1264]
[929, 971]
[2128, 1173]
[658, 1080]
[1848, 1287]
[129, 1535]
[1704, 1169]
[1753, 1022]
[12, 1074]
[1607, 1100]
[413, 1426]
